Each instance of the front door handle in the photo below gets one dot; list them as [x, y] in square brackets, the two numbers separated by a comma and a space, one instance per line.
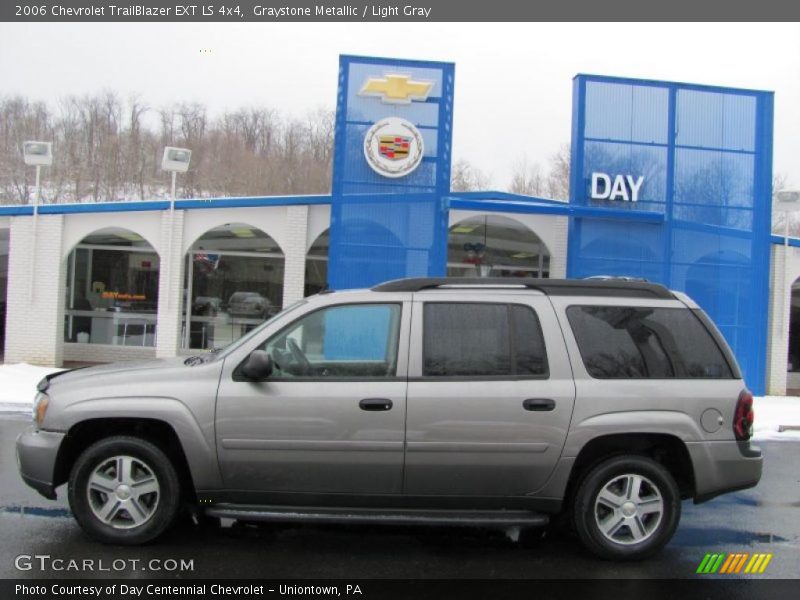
[375, 404]
[538, 404]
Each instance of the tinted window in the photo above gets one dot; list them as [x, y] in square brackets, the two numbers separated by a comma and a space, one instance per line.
[482, 340]
[618, 342]
[351, 341]
[531, 358]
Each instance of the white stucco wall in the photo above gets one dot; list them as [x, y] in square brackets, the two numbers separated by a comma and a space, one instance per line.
[778, 333]
[35, 297]
[269, 219]
[319, 219]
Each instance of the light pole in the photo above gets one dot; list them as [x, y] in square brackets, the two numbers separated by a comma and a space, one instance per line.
[786, 202]
[175, 160]
[36, 154]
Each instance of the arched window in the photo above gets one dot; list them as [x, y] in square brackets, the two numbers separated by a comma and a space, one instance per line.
[793, 361]
[4, 236]
[112, 290]
[495, 246]
[317, 265]
[233, 282]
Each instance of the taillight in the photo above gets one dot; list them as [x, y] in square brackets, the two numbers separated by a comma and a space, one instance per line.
[743, 417]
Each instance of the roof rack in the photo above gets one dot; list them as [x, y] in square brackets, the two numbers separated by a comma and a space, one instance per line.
[551, 287]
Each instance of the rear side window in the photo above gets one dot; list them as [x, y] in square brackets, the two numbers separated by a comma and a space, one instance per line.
[626, 342]
[482, 340]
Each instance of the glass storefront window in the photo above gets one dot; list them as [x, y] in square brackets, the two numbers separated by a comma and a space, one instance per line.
[3, 284]
[793, 359]
[495, 246]
[112, 290]
[234, 281]
[317, 265]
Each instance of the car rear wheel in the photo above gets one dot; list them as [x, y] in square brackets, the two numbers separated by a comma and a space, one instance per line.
[124, 490]
[627, 508]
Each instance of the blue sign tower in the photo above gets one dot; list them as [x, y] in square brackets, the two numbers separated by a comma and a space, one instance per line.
[391, 170]
[701, 158]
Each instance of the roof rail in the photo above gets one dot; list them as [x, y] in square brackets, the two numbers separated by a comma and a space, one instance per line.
[551, 287]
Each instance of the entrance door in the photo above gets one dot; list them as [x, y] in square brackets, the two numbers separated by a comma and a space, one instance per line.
[490, 398]
[331, 417]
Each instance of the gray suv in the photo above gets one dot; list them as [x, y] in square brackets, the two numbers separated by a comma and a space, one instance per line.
[489, 402]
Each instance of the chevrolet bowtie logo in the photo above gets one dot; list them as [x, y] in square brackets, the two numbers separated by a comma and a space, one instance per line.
[397, 89]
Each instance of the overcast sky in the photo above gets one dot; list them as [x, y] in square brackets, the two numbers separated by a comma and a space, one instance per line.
[513, 81]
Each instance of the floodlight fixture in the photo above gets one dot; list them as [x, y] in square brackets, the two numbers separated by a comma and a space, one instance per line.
[786, 201]
[37, 154]
[176, 160]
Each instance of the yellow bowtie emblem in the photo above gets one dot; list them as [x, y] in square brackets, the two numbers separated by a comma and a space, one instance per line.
[397, 89]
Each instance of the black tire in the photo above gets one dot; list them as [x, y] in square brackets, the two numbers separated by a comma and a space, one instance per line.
[621, 543]
[159, 508]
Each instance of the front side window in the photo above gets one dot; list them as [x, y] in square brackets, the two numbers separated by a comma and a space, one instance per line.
[626, 342]
[482, 340]
[351, 341]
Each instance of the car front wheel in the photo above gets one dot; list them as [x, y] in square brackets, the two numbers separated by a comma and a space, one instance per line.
[627, 508]
[124, 490]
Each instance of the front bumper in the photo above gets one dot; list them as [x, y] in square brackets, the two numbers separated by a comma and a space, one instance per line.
[723, 467]
[36, 457]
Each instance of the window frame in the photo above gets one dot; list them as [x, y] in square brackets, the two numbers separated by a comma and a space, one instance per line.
[237, 376]
[679, 369]
[512, 345]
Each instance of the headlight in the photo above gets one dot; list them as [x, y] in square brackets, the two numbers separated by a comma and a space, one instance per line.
[40, 408]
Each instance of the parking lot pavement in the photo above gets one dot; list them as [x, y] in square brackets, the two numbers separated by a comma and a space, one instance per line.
[763, 519]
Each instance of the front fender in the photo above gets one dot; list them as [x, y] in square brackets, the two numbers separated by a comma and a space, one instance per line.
[196, 438]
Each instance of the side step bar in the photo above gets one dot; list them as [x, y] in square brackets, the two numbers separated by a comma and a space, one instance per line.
[477, 518]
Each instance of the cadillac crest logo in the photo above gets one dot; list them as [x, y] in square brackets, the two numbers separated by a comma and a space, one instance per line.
[393, 147]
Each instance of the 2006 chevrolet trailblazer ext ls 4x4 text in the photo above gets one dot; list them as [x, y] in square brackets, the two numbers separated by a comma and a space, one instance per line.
[490, 402]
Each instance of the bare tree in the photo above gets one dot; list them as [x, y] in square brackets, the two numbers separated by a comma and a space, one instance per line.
[779, 217]
[531, 179]
[558, 178]
[527, 178]
[465, 177]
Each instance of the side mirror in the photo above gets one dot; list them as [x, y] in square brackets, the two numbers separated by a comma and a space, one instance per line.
[258, 366]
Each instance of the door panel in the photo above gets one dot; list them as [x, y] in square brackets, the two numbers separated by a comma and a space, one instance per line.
[487, 436]
[308, 431]
[311, 436]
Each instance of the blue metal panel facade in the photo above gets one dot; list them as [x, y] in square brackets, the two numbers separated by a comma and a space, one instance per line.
[705, 155]
[381, 227]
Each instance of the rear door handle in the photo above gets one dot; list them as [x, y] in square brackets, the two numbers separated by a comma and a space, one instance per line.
[538, 404]
[375, 404]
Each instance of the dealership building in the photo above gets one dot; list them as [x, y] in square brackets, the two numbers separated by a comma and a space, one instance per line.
[670, 182]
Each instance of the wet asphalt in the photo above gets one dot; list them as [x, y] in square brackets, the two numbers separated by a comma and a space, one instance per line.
[764, 519]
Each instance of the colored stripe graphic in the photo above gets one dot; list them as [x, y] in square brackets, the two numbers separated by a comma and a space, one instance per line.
[723, 563]
[703, 563]
[764, 564]
[741, 562]
[758, 563]
[731, 560]
[711, 563]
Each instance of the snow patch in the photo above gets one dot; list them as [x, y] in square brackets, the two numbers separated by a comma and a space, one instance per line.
[18, 386]
[772, 412]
